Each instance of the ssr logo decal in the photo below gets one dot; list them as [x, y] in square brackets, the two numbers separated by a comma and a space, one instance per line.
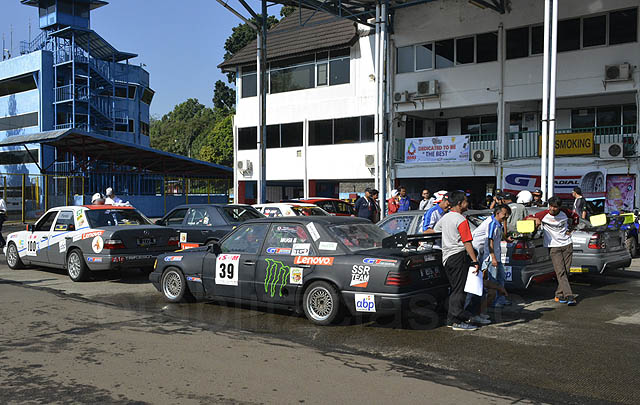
[277, 275]
[379, 262]
[194, 279]
[94, 259]
[312, 260]
[278, 251]
[360, 276]
[365, 303]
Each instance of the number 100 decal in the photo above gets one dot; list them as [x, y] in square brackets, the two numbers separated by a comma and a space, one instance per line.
[227, 269]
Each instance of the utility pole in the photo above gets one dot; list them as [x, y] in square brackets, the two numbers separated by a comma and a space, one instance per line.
[547, 149]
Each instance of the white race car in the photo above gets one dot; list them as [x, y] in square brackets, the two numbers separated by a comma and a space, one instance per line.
[82, 239]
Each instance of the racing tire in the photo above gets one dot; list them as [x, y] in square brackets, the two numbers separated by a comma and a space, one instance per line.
[13, 258]
[632, 246]
[76, 267]
[321, 303]
[174, 285]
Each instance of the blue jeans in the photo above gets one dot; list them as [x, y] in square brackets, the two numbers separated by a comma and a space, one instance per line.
[499, 274]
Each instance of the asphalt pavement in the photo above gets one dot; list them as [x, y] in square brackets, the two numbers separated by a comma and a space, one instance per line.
[114, 339]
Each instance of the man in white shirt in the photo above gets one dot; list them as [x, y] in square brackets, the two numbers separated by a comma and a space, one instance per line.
[427, 201]
[557, 225]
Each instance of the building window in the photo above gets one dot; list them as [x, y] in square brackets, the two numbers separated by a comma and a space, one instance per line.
[608, 116]
[583, 118]
[470, 126]
[594, 31]
[291, 135]
[569, 35]
[147, 96]
[415, 128]
[487, 47]
[247, 138]
[623, 26]
[17, 85]
[424, 56]
[405, 59]
[465, 50]
[630, 118]
[444, 53]
[273, 136]
[121, 92]
[537, 40]
[441, 128]
[322, 69]
[18, 157]
[249, 82]
[341, 131]
[518, 43]
[292, 78]
[144, 128]
[484, 125]
[339, 71]
[19, 121]
[132, 92]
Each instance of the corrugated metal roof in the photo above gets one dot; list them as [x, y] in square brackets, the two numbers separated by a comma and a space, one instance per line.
[90, 41]
[320, 31]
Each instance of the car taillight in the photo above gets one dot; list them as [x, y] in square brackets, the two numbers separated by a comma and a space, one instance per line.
[398, 278]
[174, 240]
[596, 241]
[113, 244]
[522, 251]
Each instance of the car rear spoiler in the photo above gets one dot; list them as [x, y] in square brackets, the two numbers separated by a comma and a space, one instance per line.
[402, 240]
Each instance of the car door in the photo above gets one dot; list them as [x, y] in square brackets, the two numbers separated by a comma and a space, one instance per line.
[175, 220]
[344, 209]
[64, 225]
[197, 225]
[328, 206]
[397, 224]
[38, 240]
[278, 277]
[231, 274]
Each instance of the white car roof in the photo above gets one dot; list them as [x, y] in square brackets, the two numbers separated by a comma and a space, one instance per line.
[280, 205]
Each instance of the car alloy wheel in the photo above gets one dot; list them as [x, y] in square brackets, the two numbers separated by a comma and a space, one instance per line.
[13, 259]
[73, 266]
[173, 285]
[320, 303]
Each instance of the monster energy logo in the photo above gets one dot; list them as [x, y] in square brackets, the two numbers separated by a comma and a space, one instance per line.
[277, 273]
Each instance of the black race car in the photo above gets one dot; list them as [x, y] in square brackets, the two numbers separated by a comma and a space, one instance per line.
[315, 264]
[203, 224]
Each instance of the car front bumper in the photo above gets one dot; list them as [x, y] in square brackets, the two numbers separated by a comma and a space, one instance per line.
[386, 303]
[597, 262]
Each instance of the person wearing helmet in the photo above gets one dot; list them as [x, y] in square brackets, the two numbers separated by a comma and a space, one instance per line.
[112, 199]
[97, 199]
[518, 211]
[433, 215]
[525, 197]
[537, 199]
[392, 203]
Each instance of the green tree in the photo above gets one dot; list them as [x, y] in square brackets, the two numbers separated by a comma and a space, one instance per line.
[217, 146]
[286, 11]
[224, 98]
[241, 36]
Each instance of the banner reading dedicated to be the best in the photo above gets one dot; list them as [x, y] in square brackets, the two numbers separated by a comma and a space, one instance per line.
[437, 149]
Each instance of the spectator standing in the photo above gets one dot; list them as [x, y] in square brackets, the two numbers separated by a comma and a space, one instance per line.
[518, 211]
[3, 217]
[537, 199]
[427, 201]
[557, 224]
[373, 196]
[525, 198]
[433, 214]
[404, 202]
[392, 203]
[579, 204]
[364, 207]
[457, 256]
[112, 198]
[492, 251]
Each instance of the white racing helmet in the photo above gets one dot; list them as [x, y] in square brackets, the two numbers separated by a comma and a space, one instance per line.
[97, 199]
[439, 196]
[524, 197]
[109, 192]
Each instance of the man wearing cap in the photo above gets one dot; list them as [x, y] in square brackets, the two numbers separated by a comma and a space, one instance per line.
[433, 215]
[537, 199]
[364, 206]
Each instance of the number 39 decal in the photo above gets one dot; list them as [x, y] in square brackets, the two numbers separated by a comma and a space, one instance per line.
[227, 269]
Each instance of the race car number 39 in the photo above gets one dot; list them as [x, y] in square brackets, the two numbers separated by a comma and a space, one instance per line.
[227, 269]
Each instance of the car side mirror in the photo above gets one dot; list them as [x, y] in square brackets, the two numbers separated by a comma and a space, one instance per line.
[214, 248]
[30, 228]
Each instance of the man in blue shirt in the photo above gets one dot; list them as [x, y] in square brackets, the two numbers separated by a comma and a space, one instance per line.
[405, 202]
[492, 253]
[364, 207]
[433, 214]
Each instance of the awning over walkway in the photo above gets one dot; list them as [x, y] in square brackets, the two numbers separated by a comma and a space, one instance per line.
[85, 145]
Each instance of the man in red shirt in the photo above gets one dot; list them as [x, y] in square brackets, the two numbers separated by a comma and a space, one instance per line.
[557, 224]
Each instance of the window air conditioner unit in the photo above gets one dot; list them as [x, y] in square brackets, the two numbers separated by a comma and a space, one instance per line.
[614, 73]
[611, 151]
[244, 165]
[428, 88]
[370, 161]
[482, 155]
[401, 97]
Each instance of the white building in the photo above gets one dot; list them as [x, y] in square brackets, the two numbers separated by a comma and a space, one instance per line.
[459, 70]
[320, 106]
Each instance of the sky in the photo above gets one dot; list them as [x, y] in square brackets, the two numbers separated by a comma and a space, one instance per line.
[181, 42]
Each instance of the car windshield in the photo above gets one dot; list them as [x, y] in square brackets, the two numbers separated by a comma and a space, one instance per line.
[358, 237]
[308, 211]
[240, 214]
[116, 217]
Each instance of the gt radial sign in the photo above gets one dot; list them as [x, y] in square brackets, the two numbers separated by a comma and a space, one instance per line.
[437, 149]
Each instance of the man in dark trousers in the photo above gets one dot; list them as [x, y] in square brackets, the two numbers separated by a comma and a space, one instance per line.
[364, 207]
[579, 204]
[457, 256]
[557, 224]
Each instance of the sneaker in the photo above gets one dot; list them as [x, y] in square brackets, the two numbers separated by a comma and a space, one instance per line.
[485, 316]
[464, 326]
[561, 299]
[571, 300]
[479, 320]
